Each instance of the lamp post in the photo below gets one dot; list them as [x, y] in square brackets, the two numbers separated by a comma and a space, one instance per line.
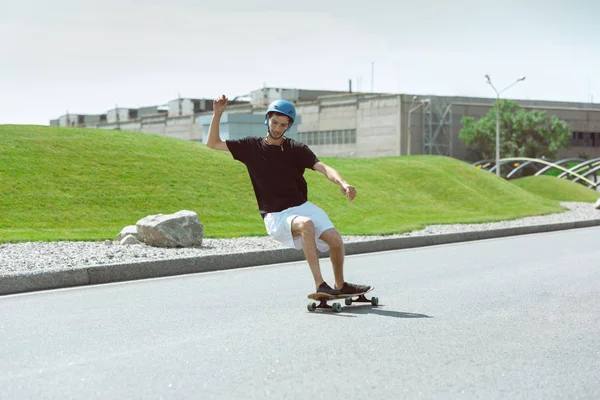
[489, 82]
[413, 108]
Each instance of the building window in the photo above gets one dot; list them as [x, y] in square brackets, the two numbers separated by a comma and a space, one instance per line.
[585, 139]
[323, 138]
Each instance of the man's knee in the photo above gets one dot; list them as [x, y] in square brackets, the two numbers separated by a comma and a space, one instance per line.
[333, 238]
[303, 225]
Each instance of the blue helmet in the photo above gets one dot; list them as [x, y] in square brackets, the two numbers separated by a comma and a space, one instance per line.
[283, 107]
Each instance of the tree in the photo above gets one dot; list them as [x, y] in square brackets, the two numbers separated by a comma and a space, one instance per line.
[522, 134]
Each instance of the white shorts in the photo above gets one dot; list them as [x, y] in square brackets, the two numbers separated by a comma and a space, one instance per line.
[279, 225]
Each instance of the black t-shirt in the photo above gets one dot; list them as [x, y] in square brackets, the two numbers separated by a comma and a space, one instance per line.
[276, 171]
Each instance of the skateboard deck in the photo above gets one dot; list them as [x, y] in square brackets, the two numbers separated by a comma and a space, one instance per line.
[323, 298]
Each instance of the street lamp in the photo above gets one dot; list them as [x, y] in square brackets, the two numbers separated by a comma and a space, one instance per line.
[413, 108]
[489, 82]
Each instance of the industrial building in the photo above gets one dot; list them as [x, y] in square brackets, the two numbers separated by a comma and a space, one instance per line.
[347, 124]
[79, 120]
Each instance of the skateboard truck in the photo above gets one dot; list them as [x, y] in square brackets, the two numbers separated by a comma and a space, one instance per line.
[312, 306]
[362, 299]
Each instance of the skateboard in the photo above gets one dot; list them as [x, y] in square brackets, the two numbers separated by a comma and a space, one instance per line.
[323, 298]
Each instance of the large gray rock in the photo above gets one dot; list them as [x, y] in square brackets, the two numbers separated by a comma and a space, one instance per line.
[182, 229]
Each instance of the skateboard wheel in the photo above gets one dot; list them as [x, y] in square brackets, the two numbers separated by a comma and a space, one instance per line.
[348, 301]
[375, 301]
[336, 307]
[312, 306]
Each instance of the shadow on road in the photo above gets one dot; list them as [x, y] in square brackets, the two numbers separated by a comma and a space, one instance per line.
[368, 309]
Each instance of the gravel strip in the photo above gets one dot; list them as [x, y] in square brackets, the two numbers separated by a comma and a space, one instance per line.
[23, 258]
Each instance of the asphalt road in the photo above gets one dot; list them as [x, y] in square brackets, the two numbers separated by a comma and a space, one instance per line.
[506, 318]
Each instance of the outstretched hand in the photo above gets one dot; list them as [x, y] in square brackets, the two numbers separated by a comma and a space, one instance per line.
[220, 104]
[348, 190]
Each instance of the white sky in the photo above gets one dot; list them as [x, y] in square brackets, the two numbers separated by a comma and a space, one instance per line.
[85, 56]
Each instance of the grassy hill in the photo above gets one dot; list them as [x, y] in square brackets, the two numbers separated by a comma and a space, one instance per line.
[87, 184]
[552, 188]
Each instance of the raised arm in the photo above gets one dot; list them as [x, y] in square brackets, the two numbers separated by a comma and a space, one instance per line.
[347, 190]
[214, 138]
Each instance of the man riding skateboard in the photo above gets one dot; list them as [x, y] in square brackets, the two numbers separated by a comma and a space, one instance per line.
[276, 167]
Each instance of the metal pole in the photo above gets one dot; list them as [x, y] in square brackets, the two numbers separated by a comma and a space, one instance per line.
[412, 108]
[118, 119]
[497, 134]
[408, 141]
[489, 82]
[400, 127]
[372, 77]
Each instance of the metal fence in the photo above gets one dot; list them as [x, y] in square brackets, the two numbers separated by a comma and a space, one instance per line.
[345, 136]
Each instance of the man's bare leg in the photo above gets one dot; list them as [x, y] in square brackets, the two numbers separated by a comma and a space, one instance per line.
[302, 226]
[336, 253]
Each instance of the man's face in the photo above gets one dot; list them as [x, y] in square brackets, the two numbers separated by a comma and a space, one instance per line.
[278, 124]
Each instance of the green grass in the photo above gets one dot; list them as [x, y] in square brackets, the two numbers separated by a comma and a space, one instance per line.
[552, 188]
[87, 184]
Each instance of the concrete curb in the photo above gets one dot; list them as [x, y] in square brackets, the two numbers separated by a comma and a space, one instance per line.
[99, 274]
